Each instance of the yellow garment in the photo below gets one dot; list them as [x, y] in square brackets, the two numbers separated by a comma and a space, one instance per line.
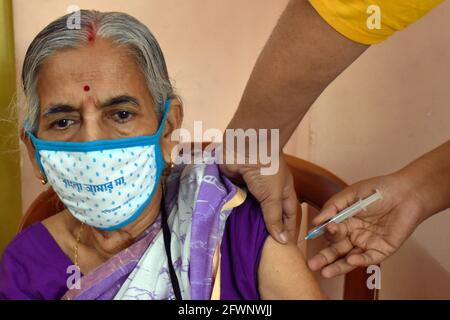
[354, 18]
[215, 295]
[236, 200]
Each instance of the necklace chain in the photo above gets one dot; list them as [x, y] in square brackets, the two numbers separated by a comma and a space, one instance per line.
[75, 249]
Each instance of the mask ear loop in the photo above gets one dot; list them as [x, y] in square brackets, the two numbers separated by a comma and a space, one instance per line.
[163, 118]
[160, 160]
[31, 136]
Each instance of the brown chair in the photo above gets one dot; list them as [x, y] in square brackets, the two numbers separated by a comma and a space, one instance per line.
[314, 184]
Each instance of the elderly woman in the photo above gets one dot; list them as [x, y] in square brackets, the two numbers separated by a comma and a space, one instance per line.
[100, 115]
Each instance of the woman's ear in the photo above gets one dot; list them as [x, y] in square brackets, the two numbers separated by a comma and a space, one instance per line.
[31, 154]
[173, 122]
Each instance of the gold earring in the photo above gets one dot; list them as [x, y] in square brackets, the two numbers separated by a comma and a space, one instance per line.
[44, 180]
[167, 169]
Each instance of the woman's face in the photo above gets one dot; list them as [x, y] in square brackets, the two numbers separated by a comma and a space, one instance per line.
[97, 93]
[92, 93]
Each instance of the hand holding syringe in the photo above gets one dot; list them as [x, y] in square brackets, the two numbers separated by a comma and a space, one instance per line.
[344, 214]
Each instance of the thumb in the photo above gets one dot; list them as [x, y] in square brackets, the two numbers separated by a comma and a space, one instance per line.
[272, 212]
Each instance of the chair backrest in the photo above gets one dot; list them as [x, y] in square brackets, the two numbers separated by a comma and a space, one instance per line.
[314, 184]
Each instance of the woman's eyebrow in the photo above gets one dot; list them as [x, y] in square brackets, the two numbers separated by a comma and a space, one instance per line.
[66, 108]
[59, 108]
[120, 100]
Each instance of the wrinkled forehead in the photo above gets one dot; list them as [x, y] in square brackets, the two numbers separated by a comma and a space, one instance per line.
[101, 63]
[100, 68]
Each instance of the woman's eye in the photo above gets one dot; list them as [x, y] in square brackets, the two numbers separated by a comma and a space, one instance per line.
[122, 116]
[62, 124]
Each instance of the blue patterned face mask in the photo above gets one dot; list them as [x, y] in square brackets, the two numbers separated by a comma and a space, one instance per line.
[105, 183]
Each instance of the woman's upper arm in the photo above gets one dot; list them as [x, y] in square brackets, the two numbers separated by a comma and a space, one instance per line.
[283, 273]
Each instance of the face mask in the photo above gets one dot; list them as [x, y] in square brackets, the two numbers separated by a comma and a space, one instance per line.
[105, 183]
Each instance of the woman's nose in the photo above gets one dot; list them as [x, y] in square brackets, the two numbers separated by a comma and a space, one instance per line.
[92, 127]
[91, 131]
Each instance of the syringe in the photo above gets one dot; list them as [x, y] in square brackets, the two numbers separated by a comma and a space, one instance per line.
[344, 214]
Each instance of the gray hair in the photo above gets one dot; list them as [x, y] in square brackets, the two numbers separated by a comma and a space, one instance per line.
[121, 28]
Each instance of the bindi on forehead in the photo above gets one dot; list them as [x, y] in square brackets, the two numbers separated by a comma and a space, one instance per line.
[86, 88]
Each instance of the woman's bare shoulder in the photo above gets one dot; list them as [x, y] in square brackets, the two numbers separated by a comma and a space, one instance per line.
[283, 273]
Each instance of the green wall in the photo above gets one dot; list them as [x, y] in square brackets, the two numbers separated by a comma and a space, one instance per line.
[10, 178]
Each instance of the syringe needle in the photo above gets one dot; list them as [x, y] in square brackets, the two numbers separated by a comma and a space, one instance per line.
[344, 214]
